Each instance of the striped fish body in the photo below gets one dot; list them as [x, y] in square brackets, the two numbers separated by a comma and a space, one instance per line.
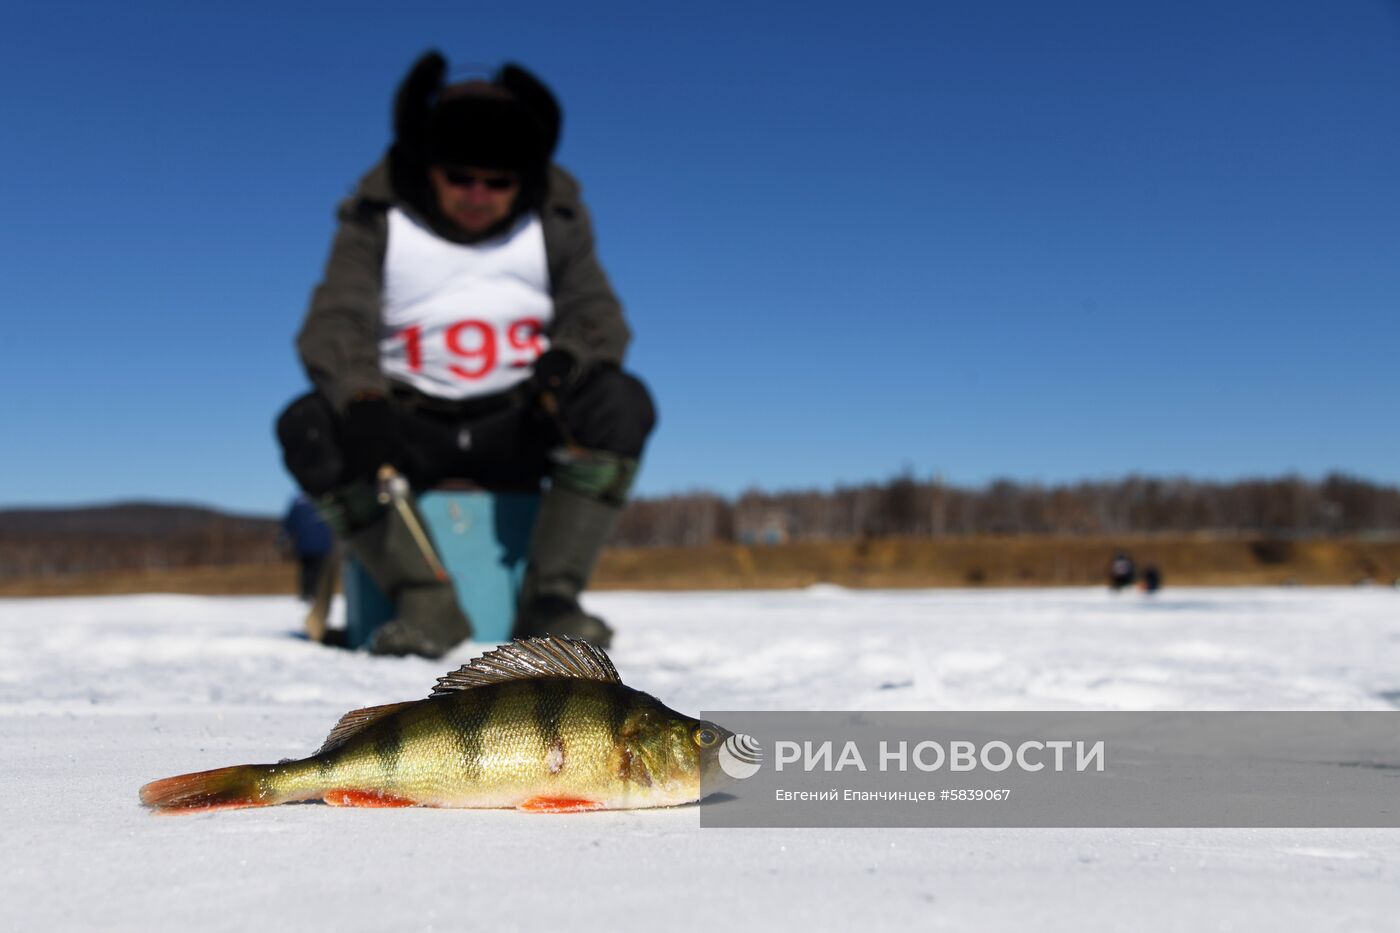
[516, 728]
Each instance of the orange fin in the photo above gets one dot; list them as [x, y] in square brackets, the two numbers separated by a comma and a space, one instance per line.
[220, 789]
[365, 798]
[356, 721]
[559, 805]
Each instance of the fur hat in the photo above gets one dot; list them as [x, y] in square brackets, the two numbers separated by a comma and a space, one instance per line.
[510, 122]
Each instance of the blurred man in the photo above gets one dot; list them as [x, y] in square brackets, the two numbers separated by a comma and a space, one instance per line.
[1121, 571]
[464, 329]
[306, 536]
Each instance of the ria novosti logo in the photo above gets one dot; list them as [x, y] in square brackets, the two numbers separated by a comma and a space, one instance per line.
[741, 756]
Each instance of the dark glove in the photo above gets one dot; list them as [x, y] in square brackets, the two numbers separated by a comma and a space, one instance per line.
[554, 373]
[368, 436]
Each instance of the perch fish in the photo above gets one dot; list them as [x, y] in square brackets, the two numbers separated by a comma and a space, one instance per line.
[542, 724]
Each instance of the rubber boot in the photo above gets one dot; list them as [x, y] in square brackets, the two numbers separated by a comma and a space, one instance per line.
[428, 620]
[570, 531]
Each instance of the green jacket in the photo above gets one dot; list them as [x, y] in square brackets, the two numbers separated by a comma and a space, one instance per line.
[339, 340]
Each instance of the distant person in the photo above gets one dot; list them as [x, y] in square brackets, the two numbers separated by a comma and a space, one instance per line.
[1151, 579]
[464, 329]
[1121, 571]
[309, 538]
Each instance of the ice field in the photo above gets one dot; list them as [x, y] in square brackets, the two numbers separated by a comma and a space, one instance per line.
[100, 695]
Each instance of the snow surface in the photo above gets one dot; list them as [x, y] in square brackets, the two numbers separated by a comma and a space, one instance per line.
[98, 696]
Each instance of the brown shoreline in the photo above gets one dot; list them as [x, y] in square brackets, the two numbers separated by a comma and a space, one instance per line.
[881, 563]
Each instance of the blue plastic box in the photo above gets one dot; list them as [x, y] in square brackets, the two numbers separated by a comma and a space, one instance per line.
[483, 539]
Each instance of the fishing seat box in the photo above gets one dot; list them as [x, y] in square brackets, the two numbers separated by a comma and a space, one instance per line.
[483, 537]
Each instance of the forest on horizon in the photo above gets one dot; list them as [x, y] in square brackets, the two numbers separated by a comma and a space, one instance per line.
[36, 543]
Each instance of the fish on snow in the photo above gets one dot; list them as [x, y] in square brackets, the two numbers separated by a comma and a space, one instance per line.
[541, 724]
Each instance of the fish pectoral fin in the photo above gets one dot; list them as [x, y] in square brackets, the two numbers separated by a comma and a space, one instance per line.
[365, 798]
[559, 805]
[356, 721]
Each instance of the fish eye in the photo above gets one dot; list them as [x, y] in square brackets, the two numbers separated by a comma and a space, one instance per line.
[706, 737]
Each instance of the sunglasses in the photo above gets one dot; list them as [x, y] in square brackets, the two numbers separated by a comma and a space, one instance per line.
[460, 179]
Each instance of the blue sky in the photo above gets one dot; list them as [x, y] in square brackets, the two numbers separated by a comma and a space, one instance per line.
[1044, 241]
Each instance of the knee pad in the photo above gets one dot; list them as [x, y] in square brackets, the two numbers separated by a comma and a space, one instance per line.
[597, 474]
[350, 508]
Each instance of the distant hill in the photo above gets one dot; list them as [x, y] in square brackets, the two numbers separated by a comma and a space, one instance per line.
[128, 536]
[125, 518]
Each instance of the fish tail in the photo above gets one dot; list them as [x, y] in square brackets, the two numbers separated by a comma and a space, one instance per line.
[220, 789]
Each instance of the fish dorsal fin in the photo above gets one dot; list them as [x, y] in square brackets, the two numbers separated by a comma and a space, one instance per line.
[356, 721]
[551, 656]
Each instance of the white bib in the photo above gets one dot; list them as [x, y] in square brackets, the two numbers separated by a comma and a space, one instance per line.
[462, 321]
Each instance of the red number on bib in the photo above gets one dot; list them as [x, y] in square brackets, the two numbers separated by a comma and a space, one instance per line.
[476, 344]
[484, 353]
[524, 334]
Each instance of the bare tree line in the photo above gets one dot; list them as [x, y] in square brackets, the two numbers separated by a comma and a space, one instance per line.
[1288, 506]
[46, 543]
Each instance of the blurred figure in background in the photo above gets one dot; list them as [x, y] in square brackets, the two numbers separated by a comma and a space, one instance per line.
[1151, 579]
[307, 537]
[1121, 572]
